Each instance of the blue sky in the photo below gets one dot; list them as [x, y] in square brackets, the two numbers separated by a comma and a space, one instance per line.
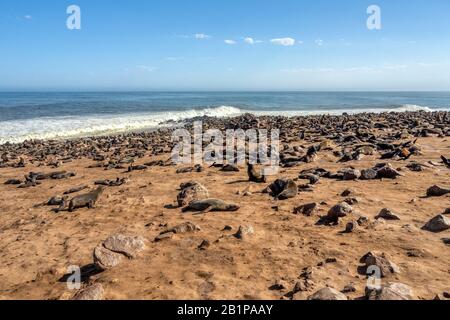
[182, 45]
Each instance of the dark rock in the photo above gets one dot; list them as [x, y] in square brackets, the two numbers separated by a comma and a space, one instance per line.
[387, 172]
[347, 193]
[369, 174]
[204, 245]
[437, 191]
[386, 214]
[350, 174]
[380, 260]
[351, 226]
[363, 221]
[244, 232]
[351, 201]
[307, 209]
[313, 179]
[278, 286]
[415, 167]
[438, 224]
[339, 211]
[350, 288]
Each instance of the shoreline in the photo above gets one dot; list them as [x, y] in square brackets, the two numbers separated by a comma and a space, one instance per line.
[174, 124]
[269, 248]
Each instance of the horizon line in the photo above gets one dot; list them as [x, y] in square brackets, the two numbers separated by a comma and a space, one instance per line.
[211, 91]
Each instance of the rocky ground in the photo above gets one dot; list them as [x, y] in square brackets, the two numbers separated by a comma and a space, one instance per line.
[355, 193]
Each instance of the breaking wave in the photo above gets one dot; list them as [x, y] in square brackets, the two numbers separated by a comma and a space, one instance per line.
[16, 131]
[292, 113]
[44, 128]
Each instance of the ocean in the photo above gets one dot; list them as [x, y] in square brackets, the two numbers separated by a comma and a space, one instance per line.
[61, 115]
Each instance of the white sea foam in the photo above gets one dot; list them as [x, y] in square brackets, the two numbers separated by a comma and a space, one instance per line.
[16, 131]
[293, 113]
[411, 108]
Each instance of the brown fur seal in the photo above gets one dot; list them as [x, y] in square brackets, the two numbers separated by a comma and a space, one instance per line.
[86, 200]
[210, 205]
[254, 175]
[283, 189]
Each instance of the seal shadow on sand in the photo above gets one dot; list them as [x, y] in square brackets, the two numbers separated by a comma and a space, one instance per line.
[87, 272]
[171, 206]
[238, 181]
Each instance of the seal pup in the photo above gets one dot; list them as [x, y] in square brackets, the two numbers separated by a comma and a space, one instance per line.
[254, 175]
[290, 191]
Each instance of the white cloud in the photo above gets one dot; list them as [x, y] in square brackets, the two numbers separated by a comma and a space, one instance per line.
[28, 17]
[252, 41]
[173, 58]
[230, 42]
[201, 36]
[426, 64]
[249, 40]
[283, 41]
[304, 70]
[319, 42]
[146, 68]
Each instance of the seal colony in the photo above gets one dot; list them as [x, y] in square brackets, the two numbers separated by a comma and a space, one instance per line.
[354, 193]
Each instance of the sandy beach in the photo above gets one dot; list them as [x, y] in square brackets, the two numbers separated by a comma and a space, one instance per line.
[283, 251]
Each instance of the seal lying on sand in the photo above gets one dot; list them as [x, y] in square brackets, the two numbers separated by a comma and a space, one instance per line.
[254, 175]
[112, 183]
[210, 205]
[282, 189]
